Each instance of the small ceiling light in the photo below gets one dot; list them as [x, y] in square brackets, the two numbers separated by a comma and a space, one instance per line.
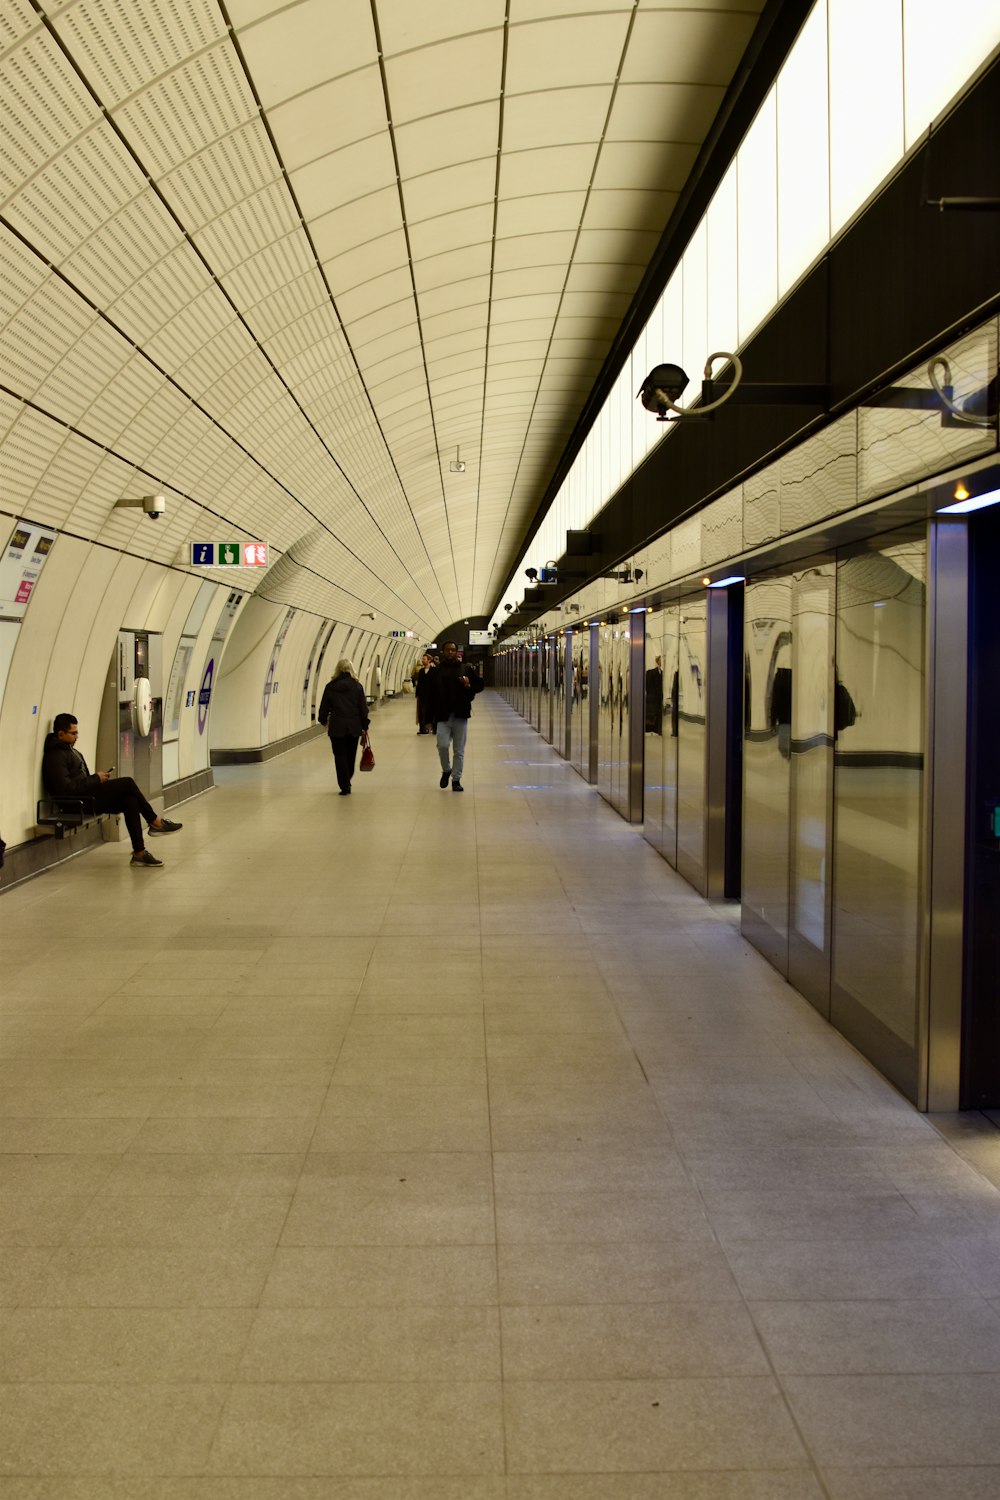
[961, 493]
[457, 465]
[706, 582]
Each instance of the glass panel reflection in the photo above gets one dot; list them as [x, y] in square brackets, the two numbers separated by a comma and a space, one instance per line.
[692, 698]
[812, 782]
[879, 713]
[767, 749]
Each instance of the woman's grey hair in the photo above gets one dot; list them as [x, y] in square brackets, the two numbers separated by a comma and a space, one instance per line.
[344, 665]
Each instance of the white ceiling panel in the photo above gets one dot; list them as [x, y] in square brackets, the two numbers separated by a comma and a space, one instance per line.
[555, 169]
[569, 52]
[450, 190]
[446, 140]
[664, 112]
[230, 209]
[352, 172]
[539, 212]
[331, 115]
[366, 218]
[306, 44]
[449, 75]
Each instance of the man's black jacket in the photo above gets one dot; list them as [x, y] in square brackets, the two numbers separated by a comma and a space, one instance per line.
[65, 772]
[447, 696]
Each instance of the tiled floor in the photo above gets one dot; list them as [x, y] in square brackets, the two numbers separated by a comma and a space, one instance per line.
[422, 1147]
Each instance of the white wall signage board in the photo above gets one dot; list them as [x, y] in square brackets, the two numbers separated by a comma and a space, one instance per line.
[22, 562]
[480, 637]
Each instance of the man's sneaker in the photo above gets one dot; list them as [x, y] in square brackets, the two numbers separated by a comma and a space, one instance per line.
[445, 775]
[146, 861]
[457, 786]
[166, 826]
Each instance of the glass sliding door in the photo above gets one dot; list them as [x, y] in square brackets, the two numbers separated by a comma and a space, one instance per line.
[811, 811]
[691, 728]
[767, 752]
[878, 790]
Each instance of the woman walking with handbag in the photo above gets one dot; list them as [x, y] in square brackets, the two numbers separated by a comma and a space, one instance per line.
[344, 711]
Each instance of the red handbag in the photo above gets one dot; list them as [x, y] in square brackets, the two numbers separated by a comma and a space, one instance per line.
[367, 754]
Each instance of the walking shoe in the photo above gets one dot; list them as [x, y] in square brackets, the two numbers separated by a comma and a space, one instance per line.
[166, 827]
[145, 860]
[445, 776]
[457, 786]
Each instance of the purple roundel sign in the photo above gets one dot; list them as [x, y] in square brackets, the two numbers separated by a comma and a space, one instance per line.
[205, 695]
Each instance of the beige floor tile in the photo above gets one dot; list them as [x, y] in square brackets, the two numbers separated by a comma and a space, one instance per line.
[111, 1277]
[900, 1267]
[178, 1222]
[108, 1429]
[587, 1171]
[233, 1101]
[361, 1428]
[771, 1484]
[644, 1272]
[879, 1337]
[36, 1220]
[20, 1269]
[408, 1343]
[872, 1421]
[220, 1134]
[382, 1276]
[110, 1345]
[675, 1213]
[637, 1342]
[135, 1487]
[582, 1426]
[67, 1136]
[224, 1176]
[913, 1484]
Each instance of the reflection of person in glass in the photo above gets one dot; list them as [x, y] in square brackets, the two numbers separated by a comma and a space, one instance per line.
[654, 698]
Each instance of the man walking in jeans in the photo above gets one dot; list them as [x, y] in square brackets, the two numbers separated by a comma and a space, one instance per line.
[452, 689]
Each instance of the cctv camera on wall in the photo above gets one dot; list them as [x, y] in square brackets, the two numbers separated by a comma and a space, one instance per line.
[154, 506]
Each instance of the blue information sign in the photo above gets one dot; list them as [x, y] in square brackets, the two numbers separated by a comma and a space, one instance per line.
[203, 554]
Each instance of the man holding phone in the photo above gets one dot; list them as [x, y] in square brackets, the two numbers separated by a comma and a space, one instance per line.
[65, 773]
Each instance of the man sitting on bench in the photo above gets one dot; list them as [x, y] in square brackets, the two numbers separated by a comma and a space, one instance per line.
[65, 773]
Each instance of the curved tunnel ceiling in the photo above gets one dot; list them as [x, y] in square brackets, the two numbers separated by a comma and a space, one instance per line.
[289, 262]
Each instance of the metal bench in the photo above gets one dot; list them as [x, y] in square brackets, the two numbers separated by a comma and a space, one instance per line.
[60, 813]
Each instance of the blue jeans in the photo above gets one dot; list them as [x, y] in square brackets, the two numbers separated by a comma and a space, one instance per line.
[451, 733]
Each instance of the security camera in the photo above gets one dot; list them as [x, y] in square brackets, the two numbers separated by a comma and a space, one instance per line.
[662, 387]
[154, 506]
[369, 616]
[508, 608]
[531, 573]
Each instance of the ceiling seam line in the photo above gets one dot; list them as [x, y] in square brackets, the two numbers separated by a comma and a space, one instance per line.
[31, 405]
[153, 186]
[266, 126]
[525, 537]
[413, 283]
[489, 300]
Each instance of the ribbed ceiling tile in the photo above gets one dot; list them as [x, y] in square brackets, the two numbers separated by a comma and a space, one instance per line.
[43, 107]
[356, 223]
[120, 48]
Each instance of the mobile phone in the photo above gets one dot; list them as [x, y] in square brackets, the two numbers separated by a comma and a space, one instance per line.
[110, 769]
